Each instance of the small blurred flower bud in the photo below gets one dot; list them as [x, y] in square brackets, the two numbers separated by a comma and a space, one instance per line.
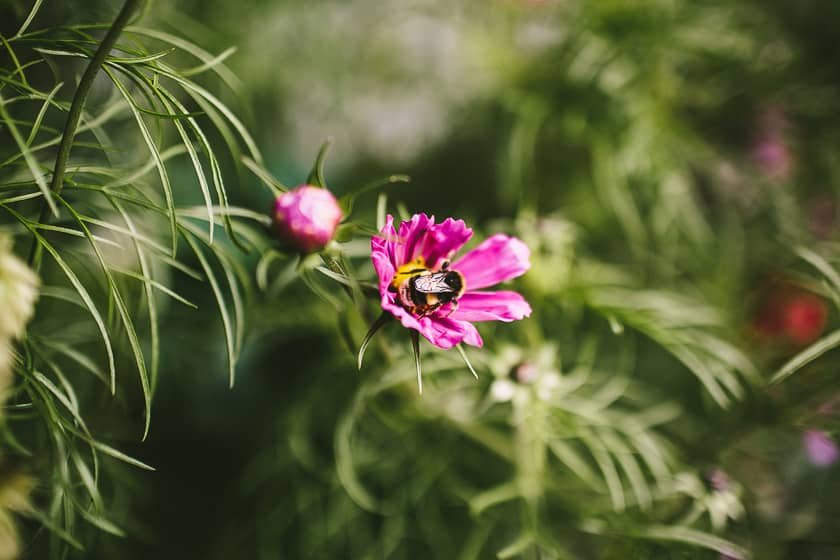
[804, 318]
[771, 151]
[821, 449]
[790, 313]
[306, 217]
[525, 373]
[718, 480]
[773, 157]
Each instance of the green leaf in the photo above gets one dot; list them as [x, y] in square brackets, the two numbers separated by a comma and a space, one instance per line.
[267, 178]
[818, 262]
[36, 125]
[381, 210]
[466, 359]
[153, 149]
[100, 522]
[344, 458]
[125, 317]
[493, 497]
[518, 547]
[197, 92]
[47, 521]
[140, 59]
[209, 64]
[197, 167]
[415, 349]
[607, 467]
[316, 176]
[80, 290]
[316, 288]
[23, 27]
[374, 328]
[13, 56]
[631, 468]
[694, 537]
[227, 325]
[228, 77]
[577, 464]
[348, 200]
[120, 456]
[263, 265]
[29, 158]
[811, 353]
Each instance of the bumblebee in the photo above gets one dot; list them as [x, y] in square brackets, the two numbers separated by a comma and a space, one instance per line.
[422, 290]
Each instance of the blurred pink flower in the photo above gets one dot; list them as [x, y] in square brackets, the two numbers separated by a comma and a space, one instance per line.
[719, 480]
[421, 244]
[821, 449]
[771, 151]
[306, 217]
[773, 157]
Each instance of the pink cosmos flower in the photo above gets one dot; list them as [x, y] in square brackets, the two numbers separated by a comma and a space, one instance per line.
[306, 217]
[422, 244]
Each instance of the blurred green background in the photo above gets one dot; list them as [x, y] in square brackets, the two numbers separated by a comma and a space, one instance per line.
[673, 166]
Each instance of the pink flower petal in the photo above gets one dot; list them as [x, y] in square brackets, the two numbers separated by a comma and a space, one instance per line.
[443, 240]
[443, 332]
[446, 332]
[413, 237]
[491, 306]
[497, 259]
[382, 252]
[421, 236]
[821, 449]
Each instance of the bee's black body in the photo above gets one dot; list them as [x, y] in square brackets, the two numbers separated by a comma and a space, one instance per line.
[422, 290]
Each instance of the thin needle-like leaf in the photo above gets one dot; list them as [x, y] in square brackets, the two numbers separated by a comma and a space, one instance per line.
[466, 359]
[220, 301]
[415, 348]
[25, 25]
[374, 328]
[150, 143]
[36, 125]
[348, 201]
[316, 175]
[196, 91]
[29, 158]
[148, 283]
[197, 167]
[208, 59]
[79, 287]
[693, 536]
[811, 353]
[209, 64]
[267, 178]
[125, 317]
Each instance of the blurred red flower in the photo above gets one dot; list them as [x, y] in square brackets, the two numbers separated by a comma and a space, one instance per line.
[793, 314]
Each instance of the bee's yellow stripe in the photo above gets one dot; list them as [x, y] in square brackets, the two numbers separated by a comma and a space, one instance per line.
[409, 269]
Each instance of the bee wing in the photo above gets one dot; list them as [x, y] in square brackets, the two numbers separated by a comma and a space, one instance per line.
[432, 283]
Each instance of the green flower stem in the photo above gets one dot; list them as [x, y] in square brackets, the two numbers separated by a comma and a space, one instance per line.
[75, 113]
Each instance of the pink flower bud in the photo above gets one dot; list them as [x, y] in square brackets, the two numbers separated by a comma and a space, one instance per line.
[821, 449]
[306, 217]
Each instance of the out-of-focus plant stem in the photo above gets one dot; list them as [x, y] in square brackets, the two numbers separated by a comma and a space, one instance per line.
[75, 113]
[530, 457]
